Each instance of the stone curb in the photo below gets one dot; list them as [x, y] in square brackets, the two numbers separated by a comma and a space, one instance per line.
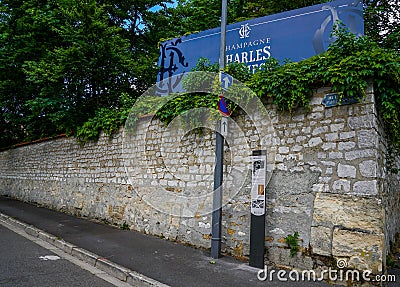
[135, 278]
[63, 245]
[126, 275]
[111, 268]
[85, 255]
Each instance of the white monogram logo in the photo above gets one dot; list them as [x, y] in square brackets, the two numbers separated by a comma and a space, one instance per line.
[244, 31]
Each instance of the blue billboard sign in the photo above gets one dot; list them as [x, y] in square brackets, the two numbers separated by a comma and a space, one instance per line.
[294, 35]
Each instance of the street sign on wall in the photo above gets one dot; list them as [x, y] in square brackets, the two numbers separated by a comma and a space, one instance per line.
[294, 35]
[226, 80]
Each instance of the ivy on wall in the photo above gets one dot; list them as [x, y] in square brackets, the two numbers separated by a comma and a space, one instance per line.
[349, 65]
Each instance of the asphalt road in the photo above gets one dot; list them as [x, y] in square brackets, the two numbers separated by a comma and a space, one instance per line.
[165, 261]
[168, 262]
[24, 263]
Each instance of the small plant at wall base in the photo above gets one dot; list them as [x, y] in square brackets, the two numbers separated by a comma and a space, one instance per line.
[391, 261]
[124, 226]
[293, 243]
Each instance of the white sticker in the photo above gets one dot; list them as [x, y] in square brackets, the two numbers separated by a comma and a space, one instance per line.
[224, 126]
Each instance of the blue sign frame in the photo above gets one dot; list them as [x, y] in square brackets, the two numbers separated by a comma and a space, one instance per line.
[293, 35]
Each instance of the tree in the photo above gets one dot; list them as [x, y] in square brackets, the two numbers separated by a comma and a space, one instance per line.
[59, 63]
[134, 17]
[24, 36]
[253, 8]
[89, 69]
[382, 22]
[64, 63]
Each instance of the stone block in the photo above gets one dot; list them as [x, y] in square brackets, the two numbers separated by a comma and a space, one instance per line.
[331, 137]
[341, 185]
[346, 145]
[298, 118]
[368, 168]
[364, 153]
[364, 249]
[314, 142]
[279, 158]
[321, 240]
[329, 145]
[328, 113]
[300, 139]
[361, 122]
[337, 127]
[290, 197]
[367, 138]
[349, 211]
[283, 150]
[366, 187]
[315, 116]
[347, 135]
[281, 256]
[346, 171]
[319, 130]
[335, 155]
[319, 187]
[297, 148]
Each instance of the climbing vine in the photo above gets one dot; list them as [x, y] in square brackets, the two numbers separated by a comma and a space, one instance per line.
[349, 65]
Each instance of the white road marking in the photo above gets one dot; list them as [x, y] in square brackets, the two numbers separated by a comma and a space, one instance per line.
[49, 257]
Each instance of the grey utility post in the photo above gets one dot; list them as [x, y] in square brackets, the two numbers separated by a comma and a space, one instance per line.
[219, 153]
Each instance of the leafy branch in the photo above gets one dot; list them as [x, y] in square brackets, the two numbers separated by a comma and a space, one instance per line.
[349, 65]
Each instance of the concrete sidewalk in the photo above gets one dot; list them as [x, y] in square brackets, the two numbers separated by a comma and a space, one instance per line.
[143, 260]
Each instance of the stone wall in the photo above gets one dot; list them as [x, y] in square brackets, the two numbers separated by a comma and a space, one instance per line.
[327, 186]
[389, 163]
[330, 184]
